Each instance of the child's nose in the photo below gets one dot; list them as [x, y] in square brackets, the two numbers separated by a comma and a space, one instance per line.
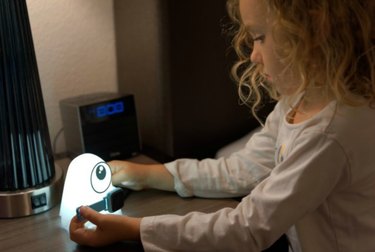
[256, 56]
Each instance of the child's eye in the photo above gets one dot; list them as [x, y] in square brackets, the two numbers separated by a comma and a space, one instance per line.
[259, 38]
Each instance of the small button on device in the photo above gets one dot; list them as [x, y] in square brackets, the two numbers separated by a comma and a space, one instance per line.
[39, 200]
[43, 199]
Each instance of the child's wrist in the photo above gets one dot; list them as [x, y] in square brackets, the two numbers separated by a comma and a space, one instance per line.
[158, 177]
[150, 177]
[132, 229]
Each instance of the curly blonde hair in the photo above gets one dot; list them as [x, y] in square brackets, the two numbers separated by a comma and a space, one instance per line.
[329, 43]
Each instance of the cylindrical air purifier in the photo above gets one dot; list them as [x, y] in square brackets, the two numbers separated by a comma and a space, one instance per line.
[30, 182]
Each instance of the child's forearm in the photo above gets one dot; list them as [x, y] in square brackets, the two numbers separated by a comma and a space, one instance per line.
[158, 177]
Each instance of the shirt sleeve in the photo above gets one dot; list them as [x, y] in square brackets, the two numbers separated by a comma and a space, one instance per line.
[232, 176]
[294, 188]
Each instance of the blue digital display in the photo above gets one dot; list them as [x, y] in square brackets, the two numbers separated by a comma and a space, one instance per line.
[109, 109]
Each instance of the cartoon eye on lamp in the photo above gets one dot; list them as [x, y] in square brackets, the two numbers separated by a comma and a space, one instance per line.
[30, 182]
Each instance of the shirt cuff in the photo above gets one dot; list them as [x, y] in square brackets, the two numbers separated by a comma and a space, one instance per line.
[179, 187]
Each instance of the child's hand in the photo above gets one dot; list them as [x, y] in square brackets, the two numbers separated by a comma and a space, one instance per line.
[127, 174]
[140, 176]
[109, 229]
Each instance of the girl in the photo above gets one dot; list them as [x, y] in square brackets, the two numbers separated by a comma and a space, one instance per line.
[309, 173]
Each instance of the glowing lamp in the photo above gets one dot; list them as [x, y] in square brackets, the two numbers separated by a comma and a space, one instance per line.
[88, 182]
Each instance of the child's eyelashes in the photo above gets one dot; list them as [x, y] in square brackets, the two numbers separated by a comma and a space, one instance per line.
[259, 38]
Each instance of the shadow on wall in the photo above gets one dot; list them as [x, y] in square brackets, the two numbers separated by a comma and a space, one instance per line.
[179, 73]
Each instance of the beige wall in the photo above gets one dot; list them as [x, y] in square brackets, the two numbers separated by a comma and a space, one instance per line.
[151, 48]
[75, 48]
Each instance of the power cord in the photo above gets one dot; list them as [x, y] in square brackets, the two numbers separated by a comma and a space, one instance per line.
[55, 154]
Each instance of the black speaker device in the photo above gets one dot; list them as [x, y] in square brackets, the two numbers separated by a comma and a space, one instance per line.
[104, 124]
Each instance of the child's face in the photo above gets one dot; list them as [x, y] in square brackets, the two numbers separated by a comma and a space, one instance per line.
[258, 20]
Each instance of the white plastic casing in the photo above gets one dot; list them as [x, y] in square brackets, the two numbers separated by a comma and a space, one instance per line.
[88, 180]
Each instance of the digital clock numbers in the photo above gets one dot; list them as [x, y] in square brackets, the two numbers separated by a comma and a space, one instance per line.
[109, 109]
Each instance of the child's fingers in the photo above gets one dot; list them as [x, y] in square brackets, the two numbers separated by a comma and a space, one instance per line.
[79, 234]
[114, 166]
[76, 224]
[89, 214]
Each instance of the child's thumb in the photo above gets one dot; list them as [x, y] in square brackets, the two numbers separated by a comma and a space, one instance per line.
[89, 214]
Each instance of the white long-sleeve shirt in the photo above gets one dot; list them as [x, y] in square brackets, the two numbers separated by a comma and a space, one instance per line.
[315, 179]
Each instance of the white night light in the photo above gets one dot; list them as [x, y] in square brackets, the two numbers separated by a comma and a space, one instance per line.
[88, 182]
